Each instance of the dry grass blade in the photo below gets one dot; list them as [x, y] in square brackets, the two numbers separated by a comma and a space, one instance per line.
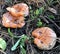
[1, 51]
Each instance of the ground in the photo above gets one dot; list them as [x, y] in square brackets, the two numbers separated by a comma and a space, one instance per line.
[48, 18]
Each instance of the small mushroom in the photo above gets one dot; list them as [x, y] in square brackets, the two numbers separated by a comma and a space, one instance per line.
[20, 9]
[13, 22]
[15, 17]
[45, 38]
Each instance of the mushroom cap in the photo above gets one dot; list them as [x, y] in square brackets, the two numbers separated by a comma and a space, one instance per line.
[45, 38]
[20, 9]
[9, 21]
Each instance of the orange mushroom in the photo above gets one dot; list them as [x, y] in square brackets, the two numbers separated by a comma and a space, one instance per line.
[13, 22]
[45, 38]
[15, 17]
[20, 9]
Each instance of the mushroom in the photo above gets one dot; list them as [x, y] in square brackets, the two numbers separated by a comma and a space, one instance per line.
[15, 17]
[13, 22]
[20, 9]
[45, 38]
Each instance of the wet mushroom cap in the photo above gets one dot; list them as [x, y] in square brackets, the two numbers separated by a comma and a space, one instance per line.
[9, 21]
[45, 38]
[20, 9]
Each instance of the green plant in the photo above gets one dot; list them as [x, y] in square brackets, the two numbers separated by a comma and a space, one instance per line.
[41, 10]
[51, 16]
[21, 43]
[39, 23]
[32, 14]
[37, 12]
[50, 2]
[15, 46]
[11, 34]
[2, 44]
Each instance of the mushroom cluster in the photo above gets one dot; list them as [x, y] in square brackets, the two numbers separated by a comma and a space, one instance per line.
[44, 38]
[15, 17]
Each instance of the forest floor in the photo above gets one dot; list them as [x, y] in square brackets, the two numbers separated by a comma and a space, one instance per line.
[47, 17]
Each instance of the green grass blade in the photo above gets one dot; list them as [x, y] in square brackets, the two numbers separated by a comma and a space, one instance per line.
[15, 46]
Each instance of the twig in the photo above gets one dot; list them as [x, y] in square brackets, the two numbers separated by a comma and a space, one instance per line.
[44, 19]
[28, 49]
[56, 47]
[2, 51]
[27, 28]
[30, 31]
[31, 49]
[58, 2]
[52, 22]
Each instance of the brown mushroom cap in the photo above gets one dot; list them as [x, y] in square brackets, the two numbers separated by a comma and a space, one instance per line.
[45, 38]
[9, 21]
[20, 9]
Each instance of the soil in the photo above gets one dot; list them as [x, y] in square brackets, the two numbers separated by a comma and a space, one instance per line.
[31, 48]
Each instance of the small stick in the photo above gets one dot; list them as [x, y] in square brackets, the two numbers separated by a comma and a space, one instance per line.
[53, 22]
[44, 19]
[2, 51]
